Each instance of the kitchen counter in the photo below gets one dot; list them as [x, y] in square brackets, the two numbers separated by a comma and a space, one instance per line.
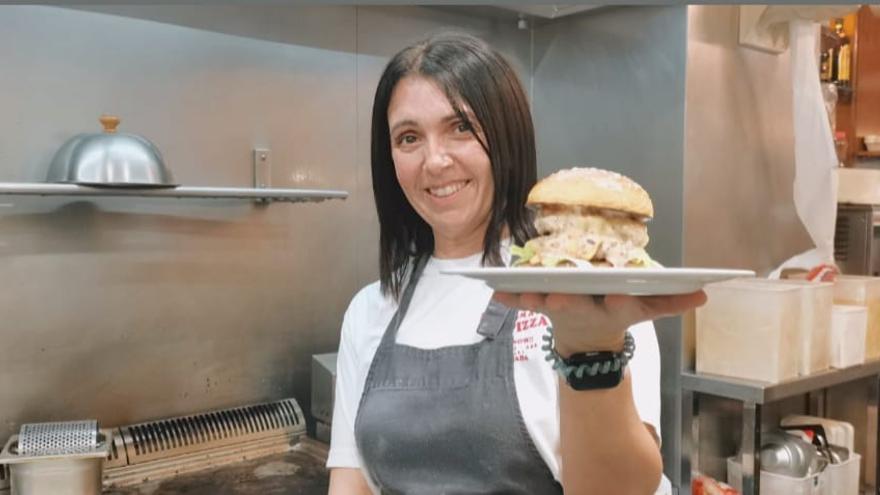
[298, 472]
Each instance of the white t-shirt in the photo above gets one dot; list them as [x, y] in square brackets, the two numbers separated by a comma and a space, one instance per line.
[445, 310]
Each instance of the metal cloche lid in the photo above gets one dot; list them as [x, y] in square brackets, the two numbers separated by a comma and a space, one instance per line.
[110, 159]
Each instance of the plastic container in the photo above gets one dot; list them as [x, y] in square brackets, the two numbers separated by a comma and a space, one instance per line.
[843, 478]
[849, 326]
[862, 291]
[775, 484]
[838, 432]
[750, 330]
[815, 322]
[817, 299]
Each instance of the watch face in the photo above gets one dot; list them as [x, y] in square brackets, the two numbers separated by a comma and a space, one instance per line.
[595, 382]
[600, 360]
[613, 362]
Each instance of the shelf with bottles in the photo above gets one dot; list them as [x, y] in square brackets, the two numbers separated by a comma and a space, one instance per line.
[829, 36]
[835, 63]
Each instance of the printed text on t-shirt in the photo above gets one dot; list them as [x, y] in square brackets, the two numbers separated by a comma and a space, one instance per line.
[528, 331]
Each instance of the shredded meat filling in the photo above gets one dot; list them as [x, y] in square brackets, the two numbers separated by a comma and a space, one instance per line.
[589, 234]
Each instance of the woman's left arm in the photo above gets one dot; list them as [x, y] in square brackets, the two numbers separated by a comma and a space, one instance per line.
[605, 446]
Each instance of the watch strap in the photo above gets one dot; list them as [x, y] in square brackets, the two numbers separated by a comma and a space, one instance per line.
[590, 370]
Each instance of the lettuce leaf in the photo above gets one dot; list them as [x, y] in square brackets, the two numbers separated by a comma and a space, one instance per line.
[639, 257]
[522, 254]
[527, 254]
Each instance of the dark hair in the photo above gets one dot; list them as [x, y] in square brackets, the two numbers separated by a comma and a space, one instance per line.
[472, 73]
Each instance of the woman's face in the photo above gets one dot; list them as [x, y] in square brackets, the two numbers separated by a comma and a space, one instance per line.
[443, 170]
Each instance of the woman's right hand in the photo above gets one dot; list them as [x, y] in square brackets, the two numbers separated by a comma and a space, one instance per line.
[598, 323]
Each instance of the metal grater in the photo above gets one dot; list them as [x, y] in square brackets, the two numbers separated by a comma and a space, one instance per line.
[64, 458]
[59, 438]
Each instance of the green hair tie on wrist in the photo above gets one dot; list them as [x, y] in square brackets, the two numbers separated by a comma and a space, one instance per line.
[566, 369]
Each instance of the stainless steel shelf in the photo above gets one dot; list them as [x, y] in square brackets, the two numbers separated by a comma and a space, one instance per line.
[253, 194]
[753, 395]
[761, 392]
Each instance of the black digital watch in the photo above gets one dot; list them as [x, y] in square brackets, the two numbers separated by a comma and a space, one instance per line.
[591, 370]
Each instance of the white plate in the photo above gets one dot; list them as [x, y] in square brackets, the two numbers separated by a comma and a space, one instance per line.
[569, 280]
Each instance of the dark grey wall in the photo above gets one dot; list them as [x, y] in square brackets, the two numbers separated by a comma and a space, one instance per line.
[609, 89]
[609, 92]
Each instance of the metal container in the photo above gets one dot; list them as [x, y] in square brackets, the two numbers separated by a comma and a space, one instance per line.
[323, 393]
[57, 458]
[789, 456]
[62, 476]
[110, 159]
[323, 386]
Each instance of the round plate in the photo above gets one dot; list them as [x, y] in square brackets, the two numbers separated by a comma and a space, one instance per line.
[596, 281]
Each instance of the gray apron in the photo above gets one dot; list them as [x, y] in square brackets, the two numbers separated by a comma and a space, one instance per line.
[447, 421]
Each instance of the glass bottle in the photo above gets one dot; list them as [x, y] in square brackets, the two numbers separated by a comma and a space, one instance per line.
[844, 54]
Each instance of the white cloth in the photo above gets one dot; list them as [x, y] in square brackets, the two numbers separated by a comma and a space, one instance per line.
[815, 161]
[445, 310]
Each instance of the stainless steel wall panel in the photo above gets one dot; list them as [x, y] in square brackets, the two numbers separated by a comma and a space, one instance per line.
[132, 309]
[739, 158]
[609, 92]
[739, 171]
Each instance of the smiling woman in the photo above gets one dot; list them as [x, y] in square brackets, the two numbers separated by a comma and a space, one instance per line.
[441, 166]
[447, 111]
[442, 385]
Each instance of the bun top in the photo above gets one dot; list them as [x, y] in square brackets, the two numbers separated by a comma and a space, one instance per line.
[592, 187]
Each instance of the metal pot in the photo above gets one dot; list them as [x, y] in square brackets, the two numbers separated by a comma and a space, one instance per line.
[61, 476]
[789, 456]
[110, 159]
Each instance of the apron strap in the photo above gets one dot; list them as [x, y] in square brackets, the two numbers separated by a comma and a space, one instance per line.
[494, 318]
[491, 323]
[417, 268]
[391, 331]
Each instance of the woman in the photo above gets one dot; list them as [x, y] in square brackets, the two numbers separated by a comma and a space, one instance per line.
[441, 386]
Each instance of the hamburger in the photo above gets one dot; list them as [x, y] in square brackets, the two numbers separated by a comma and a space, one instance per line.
[588, 217]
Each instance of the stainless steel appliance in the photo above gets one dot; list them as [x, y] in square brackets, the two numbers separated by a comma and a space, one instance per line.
[857, 239]
[323, 392]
